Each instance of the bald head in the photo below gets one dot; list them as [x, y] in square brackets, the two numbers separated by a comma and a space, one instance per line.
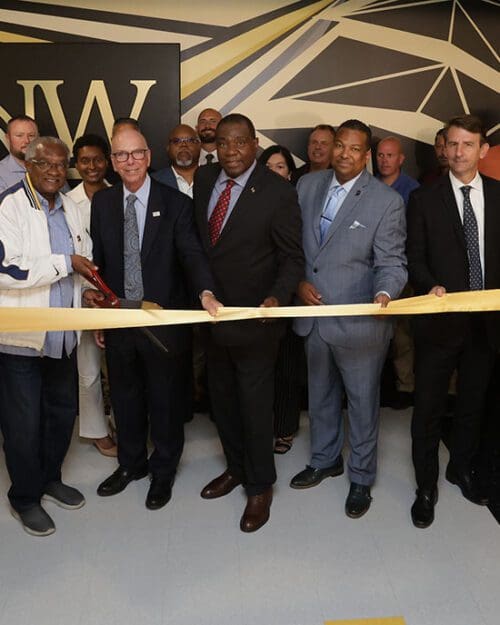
[390, 158]
[183, 147]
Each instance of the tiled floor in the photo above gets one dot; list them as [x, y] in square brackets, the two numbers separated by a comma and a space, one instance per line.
[116, 563]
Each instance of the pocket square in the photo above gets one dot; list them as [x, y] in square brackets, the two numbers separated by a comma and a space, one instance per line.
[356, 224]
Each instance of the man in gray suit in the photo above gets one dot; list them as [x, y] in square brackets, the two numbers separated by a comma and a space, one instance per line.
[354, 238]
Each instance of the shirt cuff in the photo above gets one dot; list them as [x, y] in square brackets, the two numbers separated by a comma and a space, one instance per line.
[205, 292]
[382, 293]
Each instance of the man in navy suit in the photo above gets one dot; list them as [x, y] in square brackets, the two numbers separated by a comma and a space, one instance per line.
[453, 245]
[183, 149]
[144, 381]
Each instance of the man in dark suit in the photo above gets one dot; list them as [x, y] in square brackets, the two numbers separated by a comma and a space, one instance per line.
[250, 225]
[146, 247]
[453, 245]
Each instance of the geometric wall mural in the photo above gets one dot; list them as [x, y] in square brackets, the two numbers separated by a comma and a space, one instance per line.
[403, 67]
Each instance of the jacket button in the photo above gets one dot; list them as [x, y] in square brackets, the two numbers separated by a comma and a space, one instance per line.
[315, 270]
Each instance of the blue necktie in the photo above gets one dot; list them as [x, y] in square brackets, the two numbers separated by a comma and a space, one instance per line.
[132, 270]
[472, 238]
[330, 210]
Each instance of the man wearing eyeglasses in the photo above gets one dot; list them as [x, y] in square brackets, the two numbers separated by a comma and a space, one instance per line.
[147, 248]
[44, 246]
[183, 149]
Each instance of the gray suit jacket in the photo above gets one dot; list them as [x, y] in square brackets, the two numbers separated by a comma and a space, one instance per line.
[363, 253]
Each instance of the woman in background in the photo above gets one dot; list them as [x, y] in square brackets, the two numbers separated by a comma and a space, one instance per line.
[290, 363]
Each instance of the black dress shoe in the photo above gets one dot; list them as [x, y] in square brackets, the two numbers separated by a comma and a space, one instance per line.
[468, 485]
[160, 492]
[401, 400]
[358, 500]
[312, 477]
[119, 480]
[422, 511]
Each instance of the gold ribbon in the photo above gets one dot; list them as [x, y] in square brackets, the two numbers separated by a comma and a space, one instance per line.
[45, 319]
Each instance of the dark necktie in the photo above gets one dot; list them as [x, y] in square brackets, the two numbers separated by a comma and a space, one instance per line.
[472, 238]
[218, 214]
[132, 271]
[209, 158]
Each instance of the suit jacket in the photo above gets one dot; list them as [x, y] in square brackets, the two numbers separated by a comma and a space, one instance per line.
[437, 254]
[174, 267]
[361, 255]
[259, 252]
[165, 176]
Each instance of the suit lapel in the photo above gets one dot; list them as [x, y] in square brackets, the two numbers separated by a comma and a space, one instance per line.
[320, 196]
[451, 208]
[245, 200]
[117, 216]
[202, 199]
[353, 197]
[154, 214]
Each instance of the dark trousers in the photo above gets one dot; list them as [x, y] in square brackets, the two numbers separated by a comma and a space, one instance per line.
[38, 398]
[290, 380]
[473, 358]
[149, 390]
[241, 386]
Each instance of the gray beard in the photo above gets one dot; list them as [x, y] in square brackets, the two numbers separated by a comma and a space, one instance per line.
[183, 162]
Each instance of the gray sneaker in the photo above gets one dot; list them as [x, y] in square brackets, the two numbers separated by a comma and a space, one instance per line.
[64, 496]
[35, 521]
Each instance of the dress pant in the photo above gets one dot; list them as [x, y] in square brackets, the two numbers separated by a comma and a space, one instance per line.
[241, 386]
[38, 399]
[290, 368]
[149, 391]
[473, 357]
[92, 417]
[331, 369]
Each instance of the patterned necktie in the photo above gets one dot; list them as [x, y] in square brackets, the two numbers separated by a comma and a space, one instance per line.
[330, 210]
[472, 238]
[209, 158]
[132, 271]
[217, 217]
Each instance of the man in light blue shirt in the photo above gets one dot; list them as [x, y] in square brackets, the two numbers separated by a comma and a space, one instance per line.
[44, 245]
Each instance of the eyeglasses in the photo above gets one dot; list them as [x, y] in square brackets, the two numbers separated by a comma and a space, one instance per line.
[45, 165]
[179, 140]
[137, 155]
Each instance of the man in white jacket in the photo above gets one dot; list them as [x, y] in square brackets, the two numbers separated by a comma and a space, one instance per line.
[44, 248]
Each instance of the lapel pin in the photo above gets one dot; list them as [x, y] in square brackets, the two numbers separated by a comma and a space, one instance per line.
[156, 213]
[252, 189]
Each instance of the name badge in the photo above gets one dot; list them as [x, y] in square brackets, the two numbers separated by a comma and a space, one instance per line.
[156, 213]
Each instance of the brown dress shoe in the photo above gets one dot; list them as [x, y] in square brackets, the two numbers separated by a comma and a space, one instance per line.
[256, 513]
[221, 486]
